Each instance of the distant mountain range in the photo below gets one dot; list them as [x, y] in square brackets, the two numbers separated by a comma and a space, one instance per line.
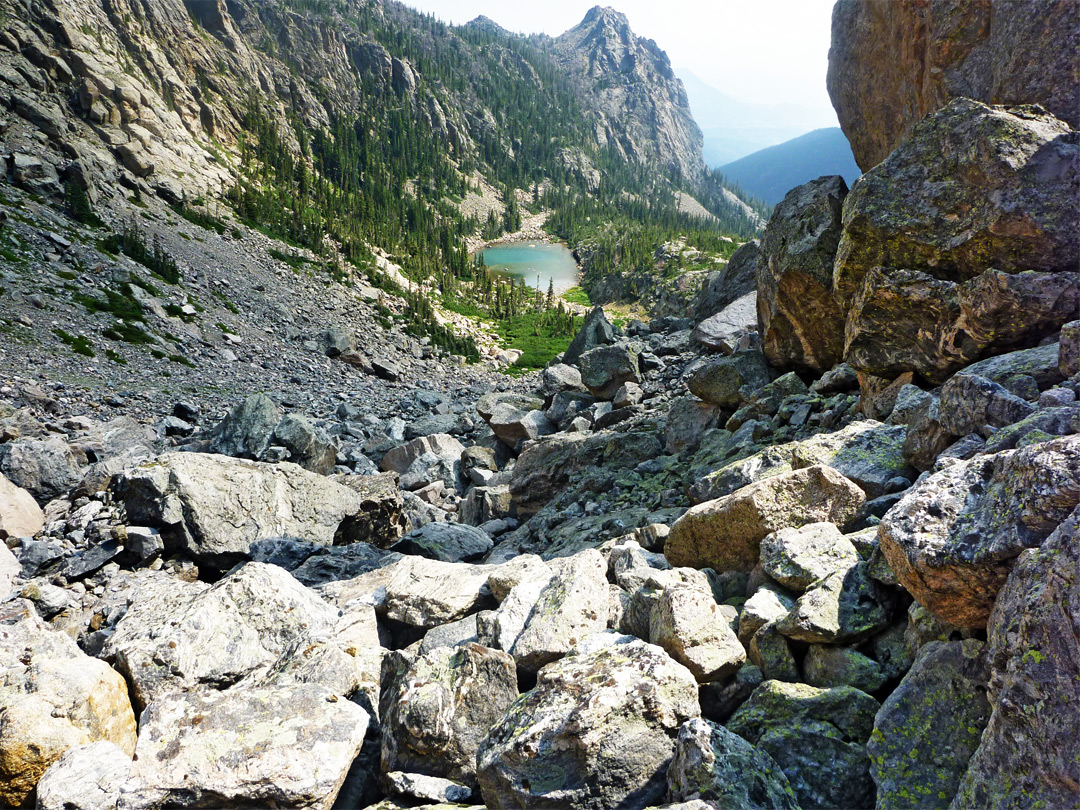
[771, 172]
[734, 129]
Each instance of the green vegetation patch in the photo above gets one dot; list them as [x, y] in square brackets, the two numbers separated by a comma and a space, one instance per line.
[78, 344]
[577, 295]
[539, 335]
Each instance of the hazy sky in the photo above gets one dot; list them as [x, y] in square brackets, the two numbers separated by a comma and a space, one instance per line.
[761, 51]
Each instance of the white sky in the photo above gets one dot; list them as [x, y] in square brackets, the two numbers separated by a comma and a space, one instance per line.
[760, 51]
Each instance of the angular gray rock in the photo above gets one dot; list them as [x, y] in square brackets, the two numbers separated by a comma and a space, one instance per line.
[1069, 349]
[801, 323]
[307, 446]
[596, 331]
[728, 380]
[714, 765]
[514, 417]
[287, 746]
[442, 708]
[687, 419]
[817, 737]
[449, 542]
[598, 730]
[606, 368]
[927, 730]
[721, 332]
[1027, 755]
[970, 404]
[247, 429]
[866, 452]
[723, 287]
[214, 508]
[954, 537]
[425, 460]
[46, 468]
[826, 666]
[725, 534]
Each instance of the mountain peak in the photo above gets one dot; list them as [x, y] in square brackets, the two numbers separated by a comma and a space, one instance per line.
[484, 23]
[605, 14]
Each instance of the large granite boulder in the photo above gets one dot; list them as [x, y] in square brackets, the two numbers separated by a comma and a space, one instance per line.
[801, 323]
[843, 607]
[53, 697]
[724, 287]
[954, 537]
[1027, 755]
[178, 635]
[714, 765]
[214, 507]
[441, 709]
[284, 746]
[721, 332]
[922, 228]
[725, 534]
[307, 445]
[689, 625]
[999, 53]
[929, 727]
[797, 557]
[425, 460]
[598, 730]
[817, 737]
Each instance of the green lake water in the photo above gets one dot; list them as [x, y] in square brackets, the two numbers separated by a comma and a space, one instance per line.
[536, 262]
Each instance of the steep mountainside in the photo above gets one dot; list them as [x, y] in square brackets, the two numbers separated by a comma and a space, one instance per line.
[643, 112]
[770, 173]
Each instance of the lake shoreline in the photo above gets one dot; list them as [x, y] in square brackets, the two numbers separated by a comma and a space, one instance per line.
[537, 261]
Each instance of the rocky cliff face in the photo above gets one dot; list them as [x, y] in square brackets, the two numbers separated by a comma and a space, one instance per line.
[641, 108]
[995, 51]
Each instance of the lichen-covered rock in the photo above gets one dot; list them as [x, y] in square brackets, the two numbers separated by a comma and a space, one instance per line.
[940, 206]
[770, 651]
[728, 380]
[826, 666]
[426, 593]
[725, 534]
[817, 737]
[1069, 349]
[714, 765]
[797, 557]
[53, 697]
[766, 463]
[214, 507]
[768, 603]
[287, 746]
[85, 778]
[688, 624]
[178, 635]
[307, 445]
[970, 403]
[801, 323]
[569, 607]
[443, 707]
[845, 606]
[598, 730]
[954, 537]
[1000, 53]
[929, 727]
[1027, 755]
